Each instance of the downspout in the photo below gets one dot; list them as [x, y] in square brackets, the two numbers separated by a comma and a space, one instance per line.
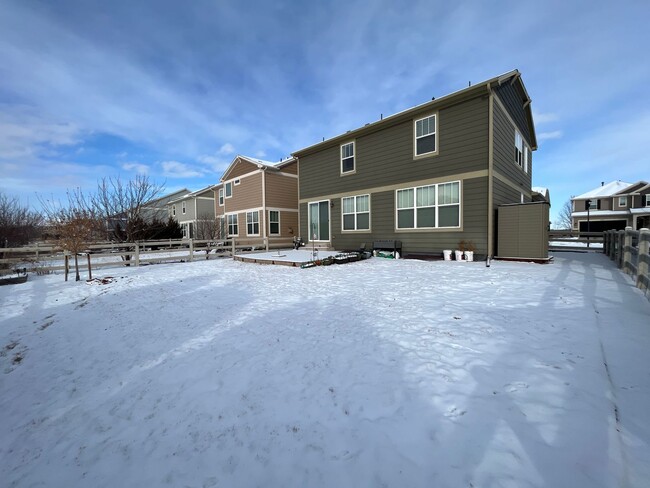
[264, 205]
[299, 234]
[490, 196]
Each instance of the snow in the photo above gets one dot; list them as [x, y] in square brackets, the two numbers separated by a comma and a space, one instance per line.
[375, 373]
[289, 256]
[609, 189]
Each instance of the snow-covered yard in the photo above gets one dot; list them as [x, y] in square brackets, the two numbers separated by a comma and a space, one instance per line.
[377, 373]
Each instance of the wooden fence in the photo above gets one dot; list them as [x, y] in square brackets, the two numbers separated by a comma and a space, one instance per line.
[630, 250]
[48, 257]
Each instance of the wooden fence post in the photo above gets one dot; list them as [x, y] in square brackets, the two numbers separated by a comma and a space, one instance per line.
[621, 248]
[66, 265]
[643, 267]
[605, 244]
[266, 243]
[191, 249]
[233, 247]
[137, 254]
[90, 271]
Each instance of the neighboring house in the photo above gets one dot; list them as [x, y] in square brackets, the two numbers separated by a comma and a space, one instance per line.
[429, 176]
[152, 210]
[614, 205]
[195, 213]
[259, 199]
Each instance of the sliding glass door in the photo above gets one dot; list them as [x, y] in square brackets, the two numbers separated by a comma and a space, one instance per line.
[319, 221]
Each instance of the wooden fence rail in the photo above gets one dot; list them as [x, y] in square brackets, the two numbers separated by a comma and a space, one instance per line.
[630, 250]
[48, 257]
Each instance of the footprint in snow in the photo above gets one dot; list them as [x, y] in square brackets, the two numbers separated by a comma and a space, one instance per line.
[518, 385]
[453, 412]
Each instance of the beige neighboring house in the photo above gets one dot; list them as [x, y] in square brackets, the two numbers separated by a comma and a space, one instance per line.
[192, 210]
[614, 205]
[258, 199]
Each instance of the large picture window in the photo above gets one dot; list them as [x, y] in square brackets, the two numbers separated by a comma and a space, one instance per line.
[356, 212]
[274, 222]
[253, 223]
[425, 135]
[347, 158]
[429, 207]
[233, 229]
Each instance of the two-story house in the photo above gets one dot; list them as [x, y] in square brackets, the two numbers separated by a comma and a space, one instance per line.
[429, 176]
[194, 212]
[258, 199]
[614, 205]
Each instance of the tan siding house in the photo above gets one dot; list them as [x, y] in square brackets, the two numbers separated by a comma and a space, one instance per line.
[430, 176]
[259, 200]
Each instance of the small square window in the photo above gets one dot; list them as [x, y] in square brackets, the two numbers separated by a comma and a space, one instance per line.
[622, 201]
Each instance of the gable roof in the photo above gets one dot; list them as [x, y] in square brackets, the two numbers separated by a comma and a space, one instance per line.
[260, 163]
[484, 87]
[633, 188]
[607, 190]
[192, 194]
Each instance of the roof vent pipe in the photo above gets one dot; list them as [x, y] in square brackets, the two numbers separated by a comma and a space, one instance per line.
[602, 183]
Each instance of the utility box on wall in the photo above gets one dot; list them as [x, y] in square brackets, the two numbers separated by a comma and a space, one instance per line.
[523, 231]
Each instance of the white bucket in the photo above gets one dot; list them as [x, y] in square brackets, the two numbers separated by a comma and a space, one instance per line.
[469, 255]
[447, 255]
[459, 255]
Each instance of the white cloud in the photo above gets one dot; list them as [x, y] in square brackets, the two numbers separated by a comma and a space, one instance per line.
[176, 169]
[260, 154]
[142, 169]
[544, 118]
[227, 149]
[543, 136]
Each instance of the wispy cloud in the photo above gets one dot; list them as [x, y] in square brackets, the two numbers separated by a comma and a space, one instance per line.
[139, 168]
[176, 169]
[544, 136]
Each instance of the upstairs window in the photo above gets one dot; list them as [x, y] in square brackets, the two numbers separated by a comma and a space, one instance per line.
[356, 212]
[622, 201]
[347, 158]
[647, 200]
[237, 181]
[519, 149]
[425, 135]
[173, 210]
[221, 197]
[228, 190]
[183, 208]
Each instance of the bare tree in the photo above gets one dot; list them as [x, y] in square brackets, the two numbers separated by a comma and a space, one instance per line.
[74, 224]
[18, 224]
[211, 229]
[123, 206]
[564, 216]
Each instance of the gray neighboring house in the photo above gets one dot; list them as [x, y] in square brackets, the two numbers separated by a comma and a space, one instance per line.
[157, 209]
[192, 209]
[613, 206]
[430, 176]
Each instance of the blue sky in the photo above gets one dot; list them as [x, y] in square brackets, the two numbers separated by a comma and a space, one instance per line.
[176, 89]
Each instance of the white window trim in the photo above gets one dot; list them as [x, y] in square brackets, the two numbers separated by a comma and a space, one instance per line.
[354, 158]
[329, 206]
[622, 204]
[355, 213]
[236, 182]
[519, 156]
[173, 210]
[183, 208]
[224, 189]
[437, 207]
[527, 156]
[415, 137]
[647, 200]
[279, 224]
[221, 197]
[252, 223]
[228, 224]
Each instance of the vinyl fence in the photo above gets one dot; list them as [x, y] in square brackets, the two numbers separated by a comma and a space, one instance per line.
[630, 250]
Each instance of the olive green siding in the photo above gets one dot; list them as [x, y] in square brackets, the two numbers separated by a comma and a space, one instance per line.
[383, 225]
[504, 154]
[513, 101]
[385, 157]
[504, 193]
